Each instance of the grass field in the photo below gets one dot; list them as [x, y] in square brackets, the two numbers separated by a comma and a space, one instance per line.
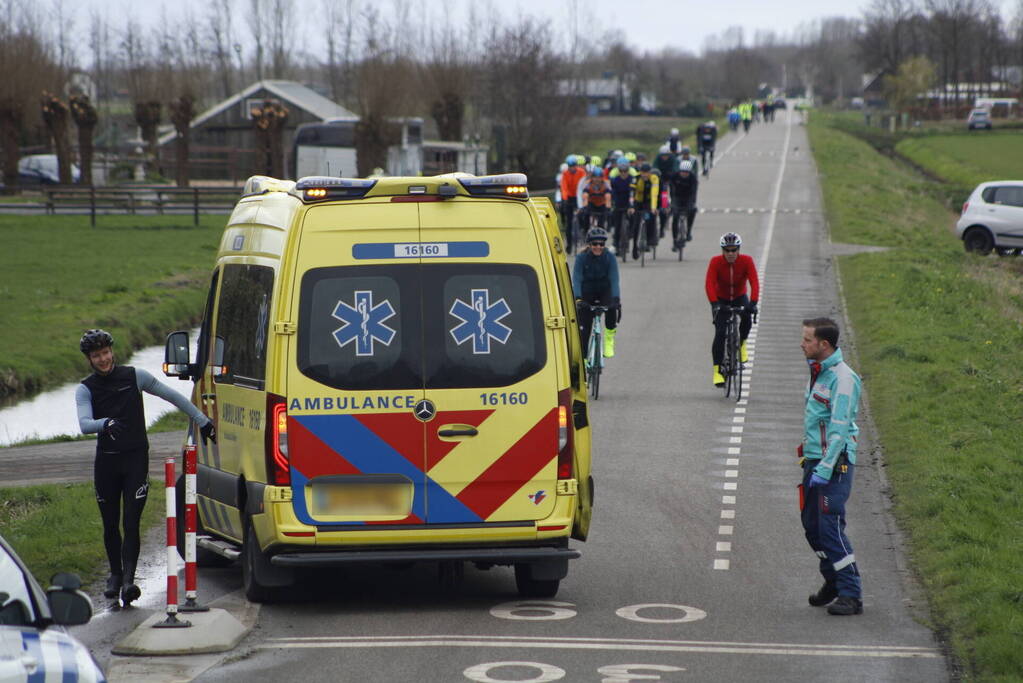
[968, 158]
[938, 343]
[135, 276]
[57, 527]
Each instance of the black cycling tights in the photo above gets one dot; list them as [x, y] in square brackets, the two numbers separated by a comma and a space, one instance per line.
[122, 476]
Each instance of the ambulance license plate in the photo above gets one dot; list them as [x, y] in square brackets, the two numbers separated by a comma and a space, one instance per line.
[365, 499]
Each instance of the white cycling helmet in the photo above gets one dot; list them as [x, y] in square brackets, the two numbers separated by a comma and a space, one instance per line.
[664, 149]
[731, 239]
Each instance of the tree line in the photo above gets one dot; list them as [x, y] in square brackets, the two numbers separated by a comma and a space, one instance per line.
[518, 83]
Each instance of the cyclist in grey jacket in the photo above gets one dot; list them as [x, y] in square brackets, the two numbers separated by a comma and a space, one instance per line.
[109, 404]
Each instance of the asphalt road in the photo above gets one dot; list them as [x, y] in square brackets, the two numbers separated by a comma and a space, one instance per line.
[696, 568]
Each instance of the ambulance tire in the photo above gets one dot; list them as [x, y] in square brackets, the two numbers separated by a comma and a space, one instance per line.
[534, 588]
[203, 557]
[252, 560]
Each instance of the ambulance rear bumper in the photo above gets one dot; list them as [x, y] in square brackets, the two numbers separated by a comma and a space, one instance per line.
[498, 556]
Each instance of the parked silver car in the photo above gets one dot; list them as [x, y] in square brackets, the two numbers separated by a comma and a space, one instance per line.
[992, 218]
[33, 643]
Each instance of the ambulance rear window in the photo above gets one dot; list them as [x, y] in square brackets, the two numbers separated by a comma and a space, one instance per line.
[360, 327]
[484, 323]
[405, 326]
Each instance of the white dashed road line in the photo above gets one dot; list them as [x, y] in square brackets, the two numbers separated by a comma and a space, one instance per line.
[739, 419]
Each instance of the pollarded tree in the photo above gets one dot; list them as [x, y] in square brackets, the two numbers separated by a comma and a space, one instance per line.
[181, 112]
[269, 119]
[55, 116]
[84, 115]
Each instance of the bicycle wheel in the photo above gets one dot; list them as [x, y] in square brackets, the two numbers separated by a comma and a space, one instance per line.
[738, 377]
[596, 360]
[683, 230]
[641, 237]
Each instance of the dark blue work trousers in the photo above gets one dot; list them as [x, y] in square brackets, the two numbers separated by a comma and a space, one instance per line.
[823, 516]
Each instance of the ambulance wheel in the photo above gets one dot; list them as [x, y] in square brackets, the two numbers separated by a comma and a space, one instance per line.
[203, 557]
[534, 588]
[252, 560]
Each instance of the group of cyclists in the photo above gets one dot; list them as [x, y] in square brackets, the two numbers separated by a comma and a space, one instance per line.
[611, 199]
[624, 193]
[752, 111]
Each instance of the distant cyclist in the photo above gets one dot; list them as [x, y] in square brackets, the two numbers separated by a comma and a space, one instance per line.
[570, 179]
[596, 200]
[706, 139]
[109, 403]
[674, 142]
[646, 199]
[623, 180]
[687, 155]
[595, 282]
[683, 202]
[727, 275]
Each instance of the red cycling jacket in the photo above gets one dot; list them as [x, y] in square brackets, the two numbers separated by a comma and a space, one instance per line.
[728, 280]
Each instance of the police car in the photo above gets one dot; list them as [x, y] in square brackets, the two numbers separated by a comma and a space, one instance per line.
[395, 373]
[33, 643]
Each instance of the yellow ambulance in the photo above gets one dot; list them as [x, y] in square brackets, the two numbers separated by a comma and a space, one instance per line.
[394, 369]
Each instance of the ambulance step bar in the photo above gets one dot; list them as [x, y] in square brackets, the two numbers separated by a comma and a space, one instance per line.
[502, 556]
[222, 548]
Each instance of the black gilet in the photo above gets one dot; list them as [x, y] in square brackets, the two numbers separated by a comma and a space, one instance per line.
[117, 396]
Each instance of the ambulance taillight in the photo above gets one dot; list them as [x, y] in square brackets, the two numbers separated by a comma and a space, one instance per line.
[565, 469]
[278, 465]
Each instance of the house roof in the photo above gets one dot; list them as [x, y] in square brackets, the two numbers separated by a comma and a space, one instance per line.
[291, 92]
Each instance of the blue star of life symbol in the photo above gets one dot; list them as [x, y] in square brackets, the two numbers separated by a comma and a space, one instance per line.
[363, 323]
[481, 321]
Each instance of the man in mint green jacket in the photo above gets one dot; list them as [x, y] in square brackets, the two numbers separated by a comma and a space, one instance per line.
[828, 457]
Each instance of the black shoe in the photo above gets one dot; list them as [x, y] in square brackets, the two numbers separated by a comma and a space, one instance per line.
[845, 606]
[689, 237]
[113, 586]
[130, 594]
[674, 247]
[824, 596]
[635, 254]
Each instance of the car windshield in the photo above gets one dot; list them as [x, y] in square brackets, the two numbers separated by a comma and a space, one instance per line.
[15, 603]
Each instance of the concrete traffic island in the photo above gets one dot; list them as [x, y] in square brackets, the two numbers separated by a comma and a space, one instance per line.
[214, 631]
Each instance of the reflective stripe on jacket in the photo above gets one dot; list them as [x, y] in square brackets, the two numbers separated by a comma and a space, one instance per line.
[829, 422]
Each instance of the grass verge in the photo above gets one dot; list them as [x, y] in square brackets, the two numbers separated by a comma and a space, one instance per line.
[135, 276]
[938, 344]
[56, 527]
[968, 159]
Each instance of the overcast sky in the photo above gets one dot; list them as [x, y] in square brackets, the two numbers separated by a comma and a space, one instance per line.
[644, 24]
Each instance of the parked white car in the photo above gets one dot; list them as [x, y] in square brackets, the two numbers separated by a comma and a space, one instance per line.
[34, 645]
[992, 217]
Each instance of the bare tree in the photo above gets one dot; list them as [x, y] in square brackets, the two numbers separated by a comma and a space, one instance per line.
[903, 89]
[85, 118]
[521, 76]
[281, 37]
[28, 67]
[255, 19]
[221, 41]
[887, 37]
[339, 28]
[448, 75]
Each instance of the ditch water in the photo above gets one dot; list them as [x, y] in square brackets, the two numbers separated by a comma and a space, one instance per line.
[53, 413]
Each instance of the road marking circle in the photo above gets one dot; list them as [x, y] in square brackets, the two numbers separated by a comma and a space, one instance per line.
[534, 610]
[481, 672]
[689, 613]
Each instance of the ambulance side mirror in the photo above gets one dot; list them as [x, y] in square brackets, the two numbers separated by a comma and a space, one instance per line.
[176, 359]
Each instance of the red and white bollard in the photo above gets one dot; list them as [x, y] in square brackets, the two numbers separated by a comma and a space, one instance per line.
[191, 593]
[172, 620]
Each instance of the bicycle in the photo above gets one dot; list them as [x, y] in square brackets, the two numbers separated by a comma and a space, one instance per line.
[680, 218]
[568, 224]
[707, 165]
[594, 351]
[646, 223]
[731, 363]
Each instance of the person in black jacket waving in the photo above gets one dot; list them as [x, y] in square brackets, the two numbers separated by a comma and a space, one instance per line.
[110, 404]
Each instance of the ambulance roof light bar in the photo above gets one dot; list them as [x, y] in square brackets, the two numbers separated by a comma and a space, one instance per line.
[505, 185]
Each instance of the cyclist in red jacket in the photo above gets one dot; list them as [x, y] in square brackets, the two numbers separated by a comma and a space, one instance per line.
[727, 275]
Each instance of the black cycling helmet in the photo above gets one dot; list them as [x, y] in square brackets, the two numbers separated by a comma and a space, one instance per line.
[596, 235]
[646, 167]
[731, 239]
[93, 340]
